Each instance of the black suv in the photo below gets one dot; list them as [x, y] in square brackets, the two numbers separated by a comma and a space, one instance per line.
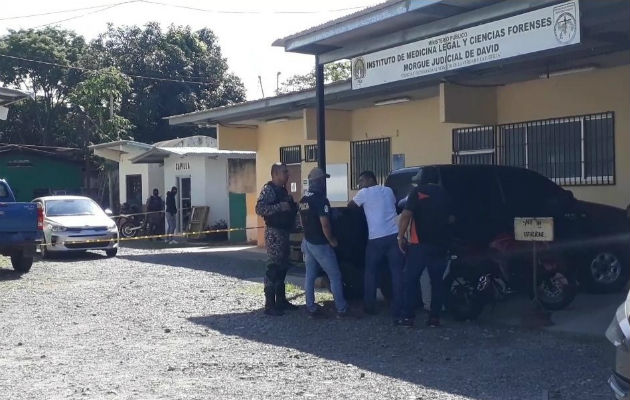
[595, 237]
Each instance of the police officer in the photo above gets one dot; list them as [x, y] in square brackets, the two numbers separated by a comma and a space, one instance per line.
[279, 211]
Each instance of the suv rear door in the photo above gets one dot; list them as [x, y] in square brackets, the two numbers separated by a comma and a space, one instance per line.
[528, 194]
[476, 196]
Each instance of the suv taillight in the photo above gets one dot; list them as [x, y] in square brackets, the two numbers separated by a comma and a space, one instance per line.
[40, 217]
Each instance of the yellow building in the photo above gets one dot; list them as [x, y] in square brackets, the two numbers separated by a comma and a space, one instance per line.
[544, 87]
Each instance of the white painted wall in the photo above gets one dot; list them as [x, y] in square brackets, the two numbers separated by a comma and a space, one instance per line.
[217, 194]
[209, 183]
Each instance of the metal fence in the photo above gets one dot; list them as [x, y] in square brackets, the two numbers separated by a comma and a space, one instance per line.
[370, 155]
[291, 154]
[577, 150]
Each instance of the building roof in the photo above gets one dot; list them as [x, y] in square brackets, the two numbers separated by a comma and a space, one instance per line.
[378, 20]
[119, 143]
[8, 96]
[190, 141]
[68, 153]
[158, 154]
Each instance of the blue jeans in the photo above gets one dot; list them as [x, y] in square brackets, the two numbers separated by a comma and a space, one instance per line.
[377, 251]
[322, 256]
[419, 257]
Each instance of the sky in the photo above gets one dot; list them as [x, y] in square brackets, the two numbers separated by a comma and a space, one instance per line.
[245, 28]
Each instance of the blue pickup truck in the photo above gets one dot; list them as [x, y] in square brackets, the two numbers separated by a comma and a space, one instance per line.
[20, 229]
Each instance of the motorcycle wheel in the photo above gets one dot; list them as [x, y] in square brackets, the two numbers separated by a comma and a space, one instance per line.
[128, 230]
[462, 298]
[556, 291]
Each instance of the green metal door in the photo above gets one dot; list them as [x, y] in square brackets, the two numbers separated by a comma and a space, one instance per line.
[238, 217]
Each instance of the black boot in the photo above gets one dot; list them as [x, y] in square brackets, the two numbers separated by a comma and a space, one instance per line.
[270, 300]
[281, 298]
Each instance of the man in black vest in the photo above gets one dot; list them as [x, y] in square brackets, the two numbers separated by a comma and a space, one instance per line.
[279, 210]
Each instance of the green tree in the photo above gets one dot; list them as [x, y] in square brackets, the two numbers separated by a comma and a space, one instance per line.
[39, 121]
[333, 72]
[177, 53]
[98, 99]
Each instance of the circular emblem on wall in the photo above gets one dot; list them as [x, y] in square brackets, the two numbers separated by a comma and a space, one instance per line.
[565, 27]
[358, 69]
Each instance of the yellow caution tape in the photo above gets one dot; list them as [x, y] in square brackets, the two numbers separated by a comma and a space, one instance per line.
[182, 234]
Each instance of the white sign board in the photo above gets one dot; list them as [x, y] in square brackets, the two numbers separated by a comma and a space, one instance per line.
[337, 184]
[539, 30]
[533, 229]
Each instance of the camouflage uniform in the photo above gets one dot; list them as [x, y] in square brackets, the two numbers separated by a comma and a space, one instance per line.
[277, 244]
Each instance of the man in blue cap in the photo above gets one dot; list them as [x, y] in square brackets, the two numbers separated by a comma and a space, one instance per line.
[319, 243]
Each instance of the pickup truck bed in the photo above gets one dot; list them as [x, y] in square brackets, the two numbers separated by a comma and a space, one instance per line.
[20, 231]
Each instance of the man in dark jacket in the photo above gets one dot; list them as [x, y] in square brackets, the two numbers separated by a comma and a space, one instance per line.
[430, 208]
[279, 210]
[154, 206]
[171, 213]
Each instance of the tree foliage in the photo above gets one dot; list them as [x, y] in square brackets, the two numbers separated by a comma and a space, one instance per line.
[333, 72]
[112, 64]
[40, 121]
[99, 99]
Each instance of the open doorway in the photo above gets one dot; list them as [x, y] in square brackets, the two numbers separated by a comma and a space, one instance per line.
[294, 185]
[184, 202]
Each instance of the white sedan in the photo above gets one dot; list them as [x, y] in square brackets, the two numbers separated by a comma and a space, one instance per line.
[76, 223]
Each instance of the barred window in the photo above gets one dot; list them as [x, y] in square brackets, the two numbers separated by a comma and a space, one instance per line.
[311, 153]
[576, 150]
[473, 145]
[291, 154]
[373, 155]
[571, 150]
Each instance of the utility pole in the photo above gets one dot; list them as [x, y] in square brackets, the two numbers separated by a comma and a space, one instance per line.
[278, 83]
[110, 178]
[261, 86]
[321, 115]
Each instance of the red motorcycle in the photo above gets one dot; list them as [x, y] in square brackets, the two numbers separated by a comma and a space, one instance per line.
[479, 277]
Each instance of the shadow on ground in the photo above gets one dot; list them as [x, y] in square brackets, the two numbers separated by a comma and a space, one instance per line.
[74, 256]
[248, 265]
[465, 359]
[7, 274]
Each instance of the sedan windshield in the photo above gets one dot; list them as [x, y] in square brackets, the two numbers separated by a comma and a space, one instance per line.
[67, 207]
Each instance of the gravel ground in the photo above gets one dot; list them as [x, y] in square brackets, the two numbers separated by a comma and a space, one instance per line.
[187, 324]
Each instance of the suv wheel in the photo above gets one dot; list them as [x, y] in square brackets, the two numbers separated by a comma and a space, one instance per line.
[606, 271]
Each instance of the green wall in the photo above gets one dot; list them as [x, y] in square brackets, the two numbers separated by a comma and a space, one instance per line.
[45, 173]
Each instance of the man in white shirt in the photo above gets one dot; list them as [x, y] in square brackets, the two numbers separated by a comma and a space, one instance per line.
[379, 205]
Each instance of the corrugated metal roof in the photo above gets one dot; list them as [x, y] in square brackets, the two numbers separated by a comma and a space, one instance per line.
[158, 154]
[8, 96]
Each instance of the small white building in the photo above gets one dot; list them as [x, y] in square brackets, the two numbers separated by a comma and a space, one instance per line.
[136, 181]
[223, 180]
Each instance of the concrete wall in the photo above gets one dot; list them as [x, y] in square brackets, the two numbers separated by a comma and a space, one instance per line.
[575, 94]
[237, 138]
[242, 176]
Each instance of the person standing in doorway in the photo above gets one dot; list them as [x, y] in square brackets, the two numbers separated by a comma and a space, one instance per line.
[430, 208]
[379, 205]
[171, 214]
[276, 206]
[155, 207]
[319, 243]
